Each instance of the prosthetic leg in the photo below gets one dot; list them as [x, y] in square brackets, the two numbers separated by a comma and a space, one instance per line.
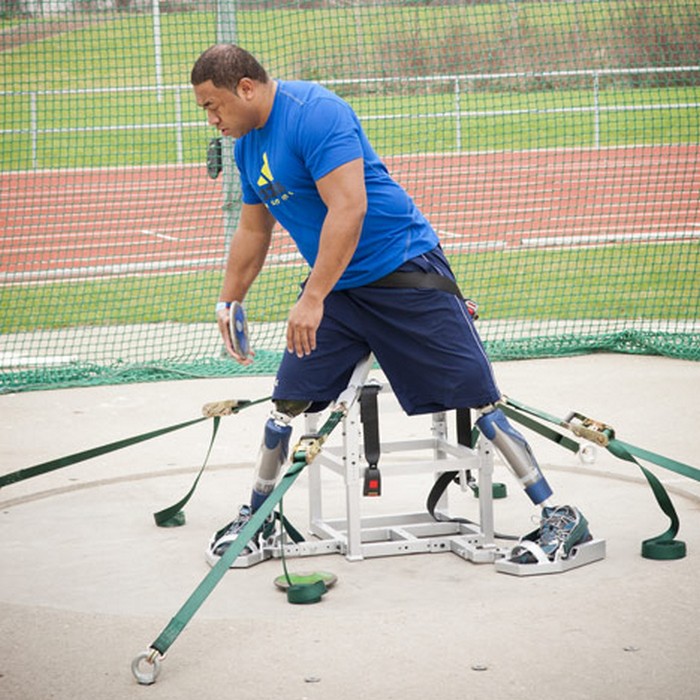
[563, 540]
[515, 451]
[274, 449]
[271, 456]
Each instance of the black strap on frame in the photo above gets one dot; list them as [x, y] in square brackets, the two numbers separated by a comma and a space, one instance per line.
[369, 415]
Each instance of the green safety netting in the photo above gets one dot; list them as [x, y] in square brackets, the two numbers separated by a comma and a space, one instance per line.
[554, 146]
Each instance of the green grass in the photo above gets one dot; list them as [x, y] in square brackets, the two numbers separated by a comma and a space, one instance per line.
[621, 282]
[112, 51]
[116, 51]
[543, 127]
[626, 282]
[91, 145]
[402, 38]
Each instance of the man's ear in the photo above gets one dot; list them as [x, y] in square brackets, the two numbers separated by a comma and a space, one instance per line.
[245, 88]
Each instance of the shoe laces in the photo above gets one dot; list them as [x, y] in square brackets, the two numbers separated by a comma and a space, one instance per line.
[556, 525]
[235, 526]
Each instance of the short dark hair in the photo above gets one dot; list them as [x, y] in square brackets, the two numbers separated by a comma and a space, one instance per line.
[225, 65]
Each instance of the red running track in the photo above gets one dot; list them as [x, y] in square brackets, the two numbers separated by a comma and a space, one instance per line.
[83, 223]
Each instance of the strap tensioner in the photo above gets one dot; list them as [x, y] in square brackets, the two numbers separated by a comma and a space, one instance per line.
[589, 429]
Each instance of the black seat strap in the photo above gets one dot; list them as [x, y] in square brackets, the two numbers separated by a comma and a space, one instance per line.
[369, 415]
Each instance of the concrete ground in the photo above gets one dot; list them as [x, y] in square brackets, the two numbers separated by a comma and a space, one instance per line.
[88, 581]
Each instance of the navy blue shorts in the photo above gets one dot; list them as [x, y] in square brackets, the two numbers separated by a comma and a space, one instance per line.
[423, 339]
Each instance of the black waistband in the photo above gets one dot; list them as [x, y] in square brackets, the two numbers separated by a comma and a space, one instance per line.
[418, 280]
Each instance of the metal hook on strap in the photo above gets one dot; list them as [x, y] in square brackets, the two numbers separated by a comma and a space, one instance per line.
[148, 676]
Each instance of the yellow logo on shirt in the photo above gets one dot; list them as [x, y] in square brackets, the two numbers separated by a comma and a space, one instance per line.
[265, 172]
[271, 192]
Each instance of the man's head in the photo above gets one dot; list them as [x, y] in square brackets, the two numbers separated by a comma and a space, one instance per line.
[225, 65]
[233, 88]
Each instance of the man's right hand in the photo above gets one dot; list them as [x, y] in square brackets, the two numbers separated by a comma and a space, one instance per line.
[303, 322]
[223, 321]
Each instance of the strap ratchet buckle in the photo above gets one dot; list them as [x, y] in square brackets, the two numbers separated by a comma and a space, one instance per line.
[590, 429]
[307, 448]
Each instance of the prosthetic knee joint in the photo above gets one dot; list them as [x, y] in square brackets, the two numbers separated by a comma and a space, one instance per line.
[274, 449]
[515, 451]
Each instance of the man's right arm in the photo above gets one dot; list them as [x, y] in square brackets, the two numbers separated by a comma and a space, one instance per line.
[247, 253]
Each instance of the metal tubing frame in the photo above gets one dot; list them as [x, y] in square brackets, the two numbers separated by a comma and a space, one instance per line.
[359, 537]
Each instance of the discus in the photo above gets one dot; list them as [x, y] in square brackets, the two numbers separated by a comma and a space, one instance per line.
[238, 328]
[306, 578]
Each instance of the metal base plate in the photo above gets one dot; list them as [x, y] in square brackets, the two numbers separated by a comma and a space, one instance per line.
[417, 533]
[273, 550]
[411, 533]
[582, 554]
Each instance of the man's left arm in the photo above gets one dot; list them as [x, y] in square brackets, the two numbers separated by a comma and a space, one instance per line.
[343, 192]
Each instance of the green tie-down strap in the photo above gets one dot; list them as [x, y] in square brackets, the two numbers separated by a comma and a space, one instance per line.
[172, 516]
[663, 546]
[45, 467]
[173, 629]
[307, 449]
[304, 453]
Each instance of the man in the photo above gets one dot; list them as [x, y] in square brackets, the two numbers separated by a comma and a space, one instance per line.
[378, 278]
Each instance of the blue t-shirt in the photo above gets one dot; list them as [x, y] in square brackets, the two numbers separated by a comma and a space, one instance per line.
[309, 133]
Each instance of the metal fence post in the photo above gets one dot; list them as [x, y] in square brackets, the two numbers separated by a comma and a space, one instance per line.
[596, 113]
[227, 31]
[158, 48]
[458, 112]
[34, 129]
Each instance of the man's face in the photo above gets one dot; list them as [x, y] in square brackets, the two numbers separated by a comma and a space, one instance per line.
[232, 113]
